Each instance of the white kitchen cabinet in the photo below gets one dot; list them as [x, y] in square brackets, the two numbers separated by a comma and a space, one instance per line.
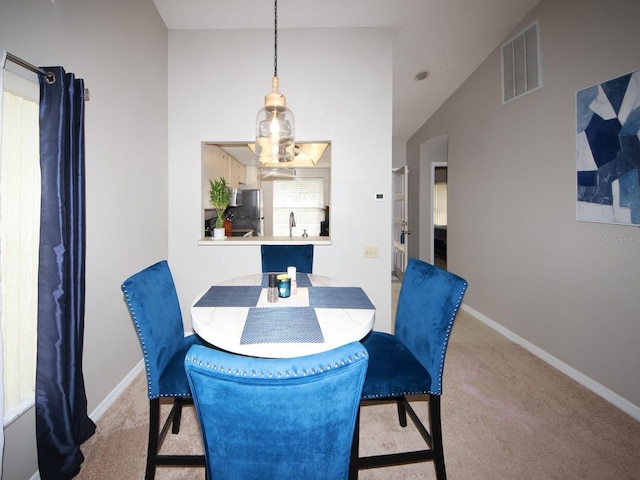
[217, 163]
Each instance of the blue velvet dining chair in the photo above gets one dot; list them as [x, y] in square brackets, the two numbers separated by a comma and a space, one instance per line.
[155, 310]
[411, 362]
[276, 258]
[279, 419]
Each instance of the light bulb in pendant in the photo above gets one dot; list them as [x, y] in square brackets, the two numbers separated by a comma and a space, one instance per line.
[275, 129]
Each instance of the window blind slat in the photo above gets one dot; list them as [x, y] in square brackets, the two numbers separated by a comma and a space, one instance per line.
[302, 196]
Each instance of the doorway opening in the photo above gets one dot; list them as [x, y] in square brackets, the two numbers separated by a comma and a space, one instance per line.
[434, 155]
[439, 214]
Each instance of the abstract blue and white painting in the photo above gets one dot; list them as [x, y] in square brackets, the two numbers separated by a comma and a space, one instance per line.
[608, 151]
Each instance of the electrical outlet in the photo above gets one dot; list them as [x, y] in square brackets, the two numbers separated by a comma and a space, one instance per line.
[370, 252]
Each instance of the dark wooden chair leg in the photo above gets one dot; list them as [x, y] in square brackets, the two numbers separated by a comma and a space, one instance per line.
[157, 436]
[177, 416]
[402, 412]
[436, 436]
[154, 432]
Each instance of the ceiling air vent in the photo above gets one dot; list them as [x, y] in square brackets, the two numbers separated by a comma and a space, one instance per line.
[521, 71]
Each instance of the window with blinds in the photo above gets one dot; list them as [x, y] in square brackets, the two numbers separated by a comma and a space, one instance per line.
[304, 196]
[440, 204]
[19, 240]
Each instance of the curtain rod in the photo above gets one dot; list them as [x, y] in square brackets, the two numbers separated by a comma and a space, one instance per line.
[48, 76]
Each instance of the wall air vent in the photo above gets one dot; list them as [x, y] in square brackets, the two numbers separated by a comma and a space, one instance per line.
[521, 72]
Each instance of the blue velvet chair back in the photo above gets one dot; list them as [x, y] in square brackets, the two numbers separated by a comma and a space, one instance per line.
[429, 301]
[155, 310]
[276, 258]
[278, 419]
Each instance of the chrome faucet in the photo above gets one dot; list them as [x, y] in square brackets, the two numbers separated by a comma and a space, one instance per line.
[292, 223]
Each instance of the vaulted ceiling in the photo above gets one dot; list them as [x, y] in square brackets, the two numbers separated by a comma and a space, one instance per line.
[447, 38]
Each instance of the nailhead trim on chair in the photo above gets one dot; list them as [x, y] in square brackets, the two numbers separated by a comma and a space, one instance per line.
[146, 356]
[394, 395]
[295, 373]
[449, 328]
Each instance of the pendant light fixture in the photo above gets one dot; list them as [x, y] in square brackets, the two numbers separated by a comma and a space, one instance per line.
[274, 124]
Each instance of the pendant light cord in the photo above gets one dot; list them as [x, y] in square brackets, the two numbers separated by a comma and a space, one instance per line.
[275, 35]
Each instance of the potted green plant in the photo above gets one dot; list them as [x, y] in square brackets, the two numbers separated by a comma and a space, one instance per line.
[219, 198]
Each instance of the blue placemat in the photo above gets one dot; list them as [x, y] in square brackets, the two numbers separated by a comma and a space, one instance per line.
[230, 296]
[302, 279]
[339, 297]
[281, 325]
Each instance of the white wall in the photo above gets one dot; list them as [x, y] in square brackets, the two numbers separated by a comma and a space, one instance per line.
[399, 153]
[532, 268]
[120, 49]
[338, 85]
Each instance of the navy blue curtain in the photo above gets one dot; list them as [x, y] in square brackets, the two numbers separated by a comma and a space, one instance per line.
[62, 423]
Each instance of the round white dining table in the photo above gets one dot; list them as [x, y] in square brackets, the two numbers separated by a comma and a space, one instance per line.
[323, 314]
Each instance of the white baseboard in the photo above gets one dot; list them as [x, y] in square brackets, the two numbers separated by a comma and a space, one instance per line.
[599, 389]
[116, 392]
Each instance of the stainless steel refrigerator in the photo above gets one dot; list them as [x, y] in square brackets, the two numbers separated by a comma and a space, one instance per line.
[248, 215]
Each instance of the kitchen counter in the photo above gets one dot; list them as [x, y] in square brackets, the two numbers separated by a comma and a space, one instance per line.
[209, 241]
[242, 232]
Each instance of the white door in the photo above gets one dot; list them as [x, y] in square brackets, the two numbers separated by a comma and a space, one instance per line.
[400, 225]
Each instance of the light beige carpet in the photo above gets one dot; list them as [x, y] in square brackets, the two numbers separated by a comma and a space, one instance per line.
[506, 415]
